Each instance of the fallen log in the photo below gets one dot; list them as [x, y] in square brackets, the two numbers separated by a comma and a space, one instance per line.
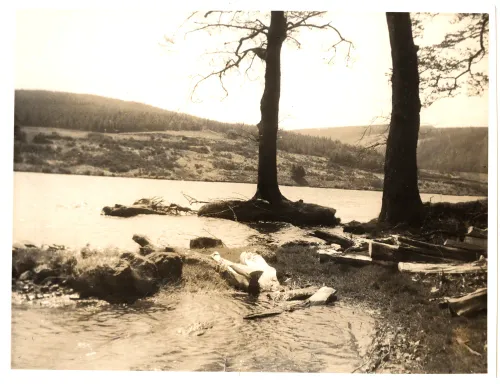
[130, 211]
[330, 238]
[438, 250]
[463, 245]
[153, 206]
[353, 259]
[476, 267]
[469, 304]
[429, 253]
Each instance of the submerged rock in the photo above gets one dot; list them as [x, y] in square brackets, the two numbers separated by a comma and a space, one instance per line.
[133, 277]
[205, 242]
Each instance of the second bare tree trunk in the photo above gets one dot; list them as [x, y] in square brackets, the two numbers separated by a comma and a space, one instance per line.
[267, 183]
[401, 201]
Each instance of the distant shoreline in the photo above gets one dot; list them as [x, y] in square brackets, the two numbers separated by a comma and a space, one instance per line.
[427, 192]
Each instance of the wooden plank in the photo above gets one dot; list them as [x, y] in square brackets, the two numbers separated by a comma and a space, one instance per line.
[462, 245]
[476, 267]
[476, 241]
[351, 259]
[438, 250]
[408, 253]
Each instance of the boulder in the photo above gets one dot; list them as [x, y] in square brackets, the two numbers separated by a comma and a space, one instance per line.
[205, 242]
[27, 275]
[41, 272]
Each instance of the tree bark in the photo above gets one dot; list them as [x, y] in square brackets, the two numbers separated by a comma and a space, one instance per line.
[401, 201]
[267, 179]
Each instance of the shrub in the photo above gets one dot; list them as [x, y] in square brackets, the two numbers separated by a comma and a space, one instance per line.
[203, 150]
[298, 172]
[40, 138]
[19, 134]
[226, 165]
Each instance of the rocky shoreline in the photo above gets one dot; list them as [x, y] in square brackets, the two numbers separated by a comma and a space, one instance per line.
[417, 329]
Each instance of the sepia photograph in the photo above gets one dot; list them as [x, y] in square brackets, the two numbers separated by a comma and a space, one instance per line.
[278, 191]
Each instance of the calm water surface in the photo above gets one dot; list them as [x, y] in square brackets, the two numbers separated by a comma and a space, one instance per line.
[65, 209]
[182, 331]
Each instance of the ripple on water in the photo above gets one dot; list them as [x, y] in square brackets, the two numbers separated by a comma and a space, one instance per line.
[189, 332]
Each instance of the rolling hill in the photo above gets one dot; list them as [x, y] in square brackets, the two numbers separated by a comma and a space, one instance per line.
[446, 150]
[443, 149]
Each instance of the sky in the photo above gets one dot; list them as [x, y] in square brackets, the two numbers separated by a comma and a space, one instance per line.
[117, 53]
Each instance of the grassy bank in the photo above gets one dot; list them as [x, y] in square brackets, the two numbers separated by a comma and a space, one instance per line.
[425, 338]
[203, 156]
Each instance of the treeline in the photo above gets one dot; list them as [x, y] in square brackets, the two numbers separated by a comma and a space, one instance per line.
[102, 114]
[454, 150]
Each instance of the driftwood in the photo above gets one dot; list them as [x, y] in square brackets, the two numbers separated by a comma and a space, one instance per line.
[476, 267]
[330, 238]
[469, 304]
[153, 206]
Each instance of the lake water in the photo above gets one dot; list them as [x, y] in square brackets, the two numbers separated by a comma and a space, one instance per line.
[65, 209]
[181, 331]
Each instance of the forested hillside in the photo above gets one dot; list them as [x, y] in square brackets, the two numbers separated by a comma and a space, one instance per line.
[446, 150]
[443, 149]
[101, 114]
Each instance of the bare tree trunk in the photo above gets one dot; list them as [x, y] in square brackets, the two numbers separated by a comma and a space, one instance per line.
[267, 182]
[401, 201]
